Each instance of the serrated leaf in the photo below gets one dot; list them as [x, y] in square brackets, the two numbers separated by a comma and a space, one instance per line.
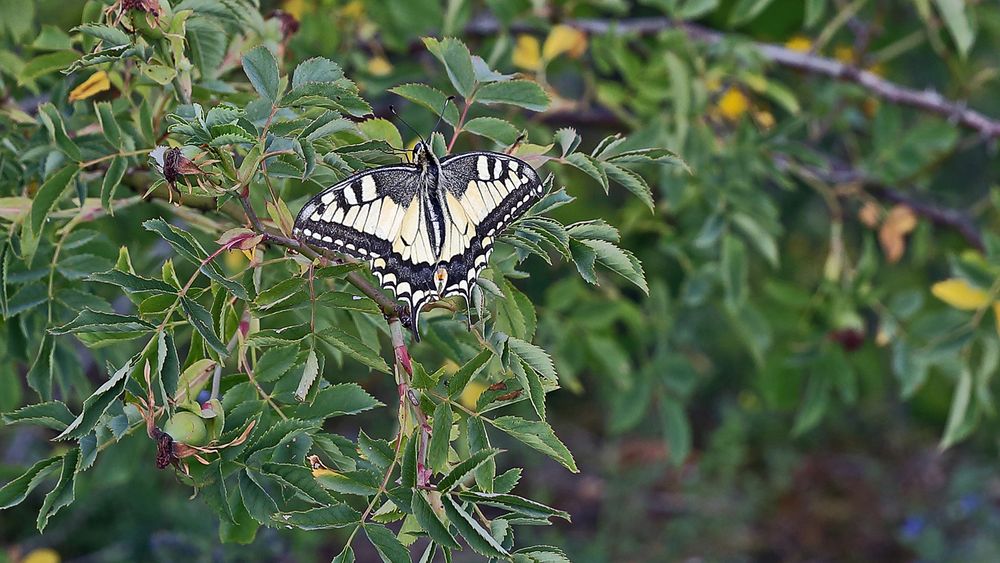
[389, 548]
[18, 489]
[534, 357]
[503, 132]
[462, 377]
[430, 98]
[97, 403]
[632, 182]
[457, 63]
[53, 414]
[201, 320]
[620, 261]
[465, 468]
[53, 121]
[521, 93]
[437, 452]
[49, 194]
[355, 348]
[430, 522]
[112, 178]
[324, 518]
[538, 435]
[514, 503]
[589, 166]
[261, 68]
[479, 538]
[106, 118]
[64, 492]
[299, 478]
[316, 69]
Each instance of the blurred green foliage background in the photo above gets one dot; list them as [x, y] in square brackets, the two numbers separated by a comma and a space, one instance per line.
[785, 390]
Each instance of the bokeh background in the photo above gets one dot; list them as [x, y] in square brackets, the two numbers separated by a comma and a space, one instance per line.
[786, 390]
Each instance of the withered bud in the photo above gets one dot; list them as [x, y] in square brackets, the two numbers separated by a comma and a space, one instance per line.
[289, 25]
[146, 6]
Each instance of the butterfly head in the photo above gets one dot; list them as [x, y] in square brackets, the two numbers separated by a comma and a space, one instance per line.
[423, 155]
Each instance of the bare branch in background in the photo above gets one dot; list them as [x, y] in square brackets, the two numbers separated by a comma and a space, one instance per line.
[926, 100]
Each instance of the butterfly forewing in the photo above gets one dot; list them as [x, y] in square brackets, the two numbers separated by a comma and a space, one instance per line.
[411, 222]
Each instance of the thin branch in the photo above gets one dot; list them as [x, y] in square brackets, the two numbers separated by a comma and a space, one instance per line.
[927, 100]
[954, 219]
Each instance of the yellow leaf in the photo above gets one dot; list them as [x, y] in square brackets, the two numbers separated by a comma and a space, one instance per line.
[527, 53]
[799, 44]
[733, 104]
[471, 393]
[961, 295]
[379, 66]
[97, 83]
[764, 118]
[44, 555]
[564, 39]
[353, 9]
[295, 7]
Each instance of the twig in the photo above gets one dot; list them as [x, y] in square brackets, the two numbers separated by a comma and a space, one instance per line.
[954, 219]
[927, 100]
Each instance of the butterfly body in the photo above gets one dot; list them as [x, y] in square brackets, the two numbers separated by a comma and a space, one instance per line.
[427, 229]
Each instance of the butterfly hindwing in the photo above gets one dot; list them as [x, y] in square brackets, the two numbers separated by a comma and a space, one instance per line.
[485, 192]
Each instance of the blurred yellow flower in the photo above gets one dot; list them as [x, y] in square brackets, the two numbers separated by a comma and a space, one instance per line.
[800, 44]
[844, 54]
[353, 9]
[527, 53]
[564, 39]
[471, 393]
[296, 7]
[713, 84]
[960, 295]
[379, 66]
[43, 555]
[764, 118]
[97, 83]
[733, 104]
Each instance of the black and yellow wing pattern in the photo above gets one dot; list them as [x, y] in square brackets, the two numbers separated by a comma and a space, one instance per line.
[427, 229]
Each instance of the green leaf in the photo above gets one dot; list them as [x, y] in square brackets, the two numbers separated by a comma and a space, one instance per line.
[620, 261]
[201, 320]
[49, 194]
[53, 414]
[430, 522]
[261, 68]
[462, 377]
[309, 375]
[747, 10]
[503, 132]
[437, 454]
[521, 93]
[355, 348]
[112, 178]
[53, 121]
[97, 403]
[90, 321]
[64, 492]
[378, 129]
[389, 548]
[632, 182]
[110, 36]
[15, 491]
[316, 69]
[734, 271]
[258, 502]
[457, 62]
[132, 283]
[299, 478]
[532, 383]
[187, 246]
[589, 166]
[479, 538]
[957, 20]
[345, 556]
[538, 435]
[45, 64]
[676, 430]
[324, 518]
[514, 503]
[430, 98]
[465, 468]
[109, 125]
[534, 357]
[956, 427]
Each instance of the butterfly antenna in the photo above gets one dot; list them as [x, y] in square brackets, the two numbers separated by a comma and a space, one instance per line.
[408, 126]
[441, 115]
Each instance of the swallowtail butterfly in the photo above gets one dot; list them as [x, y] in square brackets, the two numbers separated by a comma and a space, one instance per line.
[427, 229]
